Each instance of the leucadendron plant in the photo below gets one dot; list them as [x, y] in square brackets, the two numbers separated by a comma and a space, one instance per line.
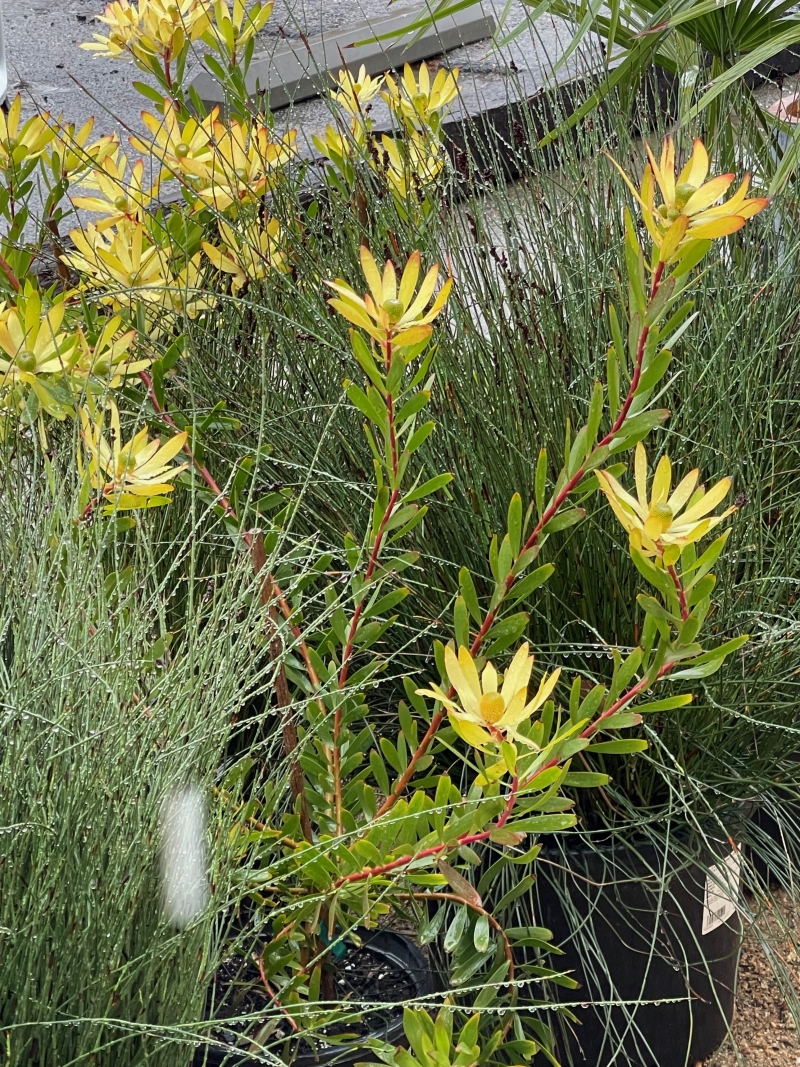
[365, 824]
[373, 829]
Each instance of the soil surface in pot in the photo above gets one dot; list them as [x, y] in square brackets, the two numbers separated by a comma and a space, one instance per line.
[361, 976]
[763, 1029]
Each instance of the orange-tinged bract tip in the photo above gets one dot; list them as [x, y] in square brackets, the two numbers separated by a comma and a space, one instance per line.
[392, 312]
[690, 209]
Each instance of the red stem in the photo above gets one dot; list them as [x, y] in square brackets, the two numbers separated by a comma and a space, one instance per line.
[274, 996]
[247, 537]
[467, 839]
[5, 266]
[549, 513]
[471, 839]
[680, 591]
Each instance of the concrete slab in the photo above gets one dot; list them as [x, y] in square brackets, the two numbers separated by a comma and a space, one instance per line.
[297, 69]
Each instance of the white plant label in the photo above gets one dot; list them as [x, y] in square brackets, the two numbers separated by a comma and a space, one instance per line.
[722, 892]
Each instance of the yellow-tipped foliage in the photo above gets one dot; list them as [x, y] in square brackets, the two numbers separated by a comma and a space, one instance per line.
[21, 141]
[248, 254]
[389, 312]
[662, 522]
[353, 93]
[689, 210]
[130, 475]
[150, 28]
[486, 711]
[118, 196]
[417, 99]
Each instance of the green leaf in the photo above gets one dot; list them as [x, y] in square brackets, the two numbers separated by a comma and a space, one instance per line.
[617, 748]
[667, 704]
[452, 938]
[701, 589]
[578, 452]
[461, 622]
[469, 594]
[586, 779]
[622, 720]
[658, 304]
[412, 407]
[655, 608]
[366, 360]
[563, 520]
[541, 481]
[358, 398]
[465, 971]
[379, 772]
[595, 414]
[723, 650]
[515, 523]
[505, 632]
[431, 927]
[386, 603]
[419, 436]
[480, 936]
[150, 92]
[525, 586]
[544, 824]
[612, 374]
[636, 428]
[616, 332]
[428, 487]
[655, 372]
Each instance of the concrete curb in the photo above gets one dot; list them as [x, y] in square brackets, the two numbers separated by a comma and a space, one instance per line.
[298, 70]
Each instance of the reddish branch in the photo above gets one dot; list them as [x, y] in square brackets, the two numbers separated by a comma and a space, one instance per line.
[533, 539]
[270, 593]
[5, 266]
[680, 591]
[259, 558]
[260, 961]
[484, 835]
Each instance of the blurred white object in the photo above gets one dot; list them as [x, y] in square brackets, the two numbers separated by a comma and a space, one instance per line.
[183, 855]
[3, 68]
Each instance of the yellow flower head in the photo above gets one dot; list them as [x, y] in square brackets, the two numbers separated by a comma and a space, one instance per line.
[484, 713]
[136, 474]
[32, 342]
[178, 146]
[689, 210]
[241, 166]
[423, 163]
[663, 524]
[123, 262]
[70, 155]
[109, 357]
[388, 313]
[18, 143]
[121, 197]
[419, 101]
[150, 28]
[338, 146]
[353, 93]
[248, 254]
[233, 29]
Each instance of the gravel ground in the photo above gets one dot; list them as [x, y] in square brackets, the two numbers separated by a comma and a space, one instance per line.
[763, 1029]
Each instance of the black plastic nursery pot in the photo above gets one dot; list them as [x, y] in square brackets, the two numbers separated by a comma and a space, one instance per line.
[387, 970]
[653, 937]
